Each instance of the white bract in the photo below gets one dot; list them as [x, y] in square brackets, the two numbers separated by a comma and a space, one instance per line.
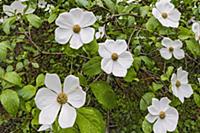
[166, 117]
[100, 33]
[166, 14]
[54, 101]
[49, 8]
[44, 127]
[130, 1]
[172, 48]
[116, 58]
[17, 7]
[180, 86]
[196, 30]
[42, 3]
[1, 20]
[74, 28]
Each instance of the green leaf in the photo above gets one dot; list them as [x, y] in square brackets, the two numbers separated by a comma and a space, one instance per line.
[110, 5]
[68, 130]
[146, 100]
[166, 76]
[2, 72]
[184, 33]
[19, 66]
[92, 67]
[92, 47]
[148, 61]
[27, 92]
[137, 63]
[3, 50]
[35, 65]
[10, 101]
[11, 79]
[146, 126]
[34, 20]
[131, 75]
[104, 94]
[152, 24]
[193, 47]
[40, 80]
[90, 120]
[8, 23]
[197, 99]
[52, 17]
[155, 87]
[83, 3]
[144, 10]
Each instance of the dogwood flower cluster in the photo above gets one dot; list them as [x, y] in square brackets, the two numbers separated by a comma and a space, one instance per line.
[75, 27]
[166, 117]
[166, 13]
[53, 101]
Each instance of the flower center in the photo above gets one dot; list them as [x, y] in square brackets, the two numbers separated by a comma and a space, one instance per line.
[76, 28]
[178, 83]
[114, 56]
[62, 98]
[162, 115]
[164, 15]
[171, 49]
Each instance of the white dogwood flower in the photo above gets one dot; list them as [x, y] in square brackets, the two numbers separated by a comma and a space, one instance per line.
[166, 14]
[116, 58]
[166, 117]
[17, 7]
[100, 33]
[74, 28]
[180, 86]
[54, 101]
[172, 48]
[196, 30]
[42, 3]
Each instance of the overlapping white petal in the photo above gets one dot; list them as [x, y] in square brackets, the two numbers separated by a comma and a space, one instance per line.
[52, 81]
[172, 15]
[172, 48]
[48, 100]
[48, 114]
[165, 123]
[87, 34]
[63, 35]
[45, 97]
[124, 59]
[65, 32]
[67, 116]
[181, 89]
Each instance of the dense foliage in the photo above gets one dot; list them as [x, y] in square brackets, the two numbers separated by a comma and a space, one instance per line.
[28, 50]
